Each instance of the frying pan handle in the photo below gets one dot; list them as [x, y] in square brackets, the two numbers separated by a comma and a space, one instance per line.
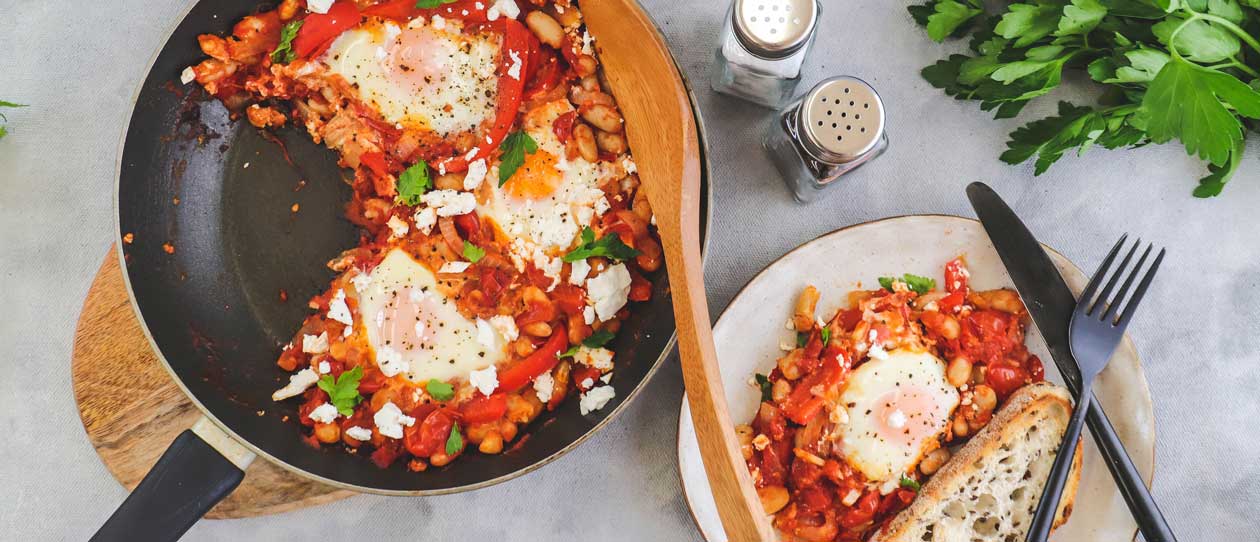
[201, 467]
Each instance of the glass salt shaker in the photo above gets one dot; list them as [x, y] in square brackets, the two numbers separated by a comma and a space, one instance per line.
[831, 130]
[761, 48]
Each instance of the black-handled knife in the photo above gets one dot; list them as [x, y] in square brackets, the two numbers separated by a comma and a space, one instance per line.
[1050, 302]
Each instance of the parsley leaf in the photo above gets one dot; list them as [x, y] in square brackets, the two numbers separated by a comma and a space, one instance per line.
[1185, 101]
[3, 103]
[439, 390]
[887, 283]
[455, 442]
[343, 392]
[514, 148]
[1197, 39]
[802, 339]
[608, 246]
[596, 340]
[1027, 23]
[946, 17]
[284, 51]
[413, 183]
[909, 483]
[763, 382]
[920, 285]
[473, 253]
[430, 4]
[826, 335]
[1081, 17]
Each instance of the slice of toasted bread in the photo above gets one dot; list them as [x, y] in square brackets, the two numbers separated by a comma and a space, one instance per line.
[989, 490]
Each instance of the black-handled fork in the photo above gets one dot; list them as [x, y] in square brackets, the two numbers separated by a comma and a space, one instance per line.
[1097, 327]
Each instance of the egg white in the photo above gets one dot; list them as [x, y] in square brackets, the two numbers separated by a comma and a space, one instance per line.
[895, 406]
[460, 93]
[401, 293]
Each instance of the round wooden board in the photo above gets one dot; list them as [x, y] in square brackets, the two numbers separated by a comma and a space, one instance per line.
[132, 409]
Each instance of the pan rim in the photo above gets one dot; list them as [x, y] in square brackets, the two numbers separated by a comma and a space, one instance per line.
[666, 352]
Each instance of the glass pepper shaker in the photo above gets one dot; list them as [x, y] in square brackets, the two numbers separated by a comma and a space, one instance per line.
[831, 130]
[762, 47]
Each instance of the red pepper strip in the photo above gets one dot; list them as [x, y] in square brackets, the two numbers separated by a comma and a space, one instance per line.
[801, 405]
[320, 29]
[956, 276]
[583, 373]
[482, 409]
[404, 10]
[511, 89]
[541, 361]
[563, 126]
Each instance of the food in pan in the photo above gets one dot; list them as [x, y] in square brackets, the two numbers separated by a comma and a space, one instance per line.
[504, 233]
[863, 407]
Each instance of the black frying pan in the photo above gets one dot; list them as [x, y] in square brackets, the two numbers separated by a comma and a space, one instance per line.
[213, 308]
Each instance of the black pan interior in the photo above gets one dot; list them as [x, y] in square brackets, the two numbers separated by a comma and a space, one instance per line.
[208, 206]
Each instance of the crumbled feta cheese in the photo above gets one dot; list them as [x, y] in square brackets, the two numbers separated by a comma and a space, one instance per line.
[586, 383]
[790, 325]
[319, 6]
[851, 497]
[544, 386]
[324, 367]
[361, 281]
[453, 268]
[506, 326]
[760, 441]
[599, 358]
[602, 206]
[588, 315]
[390, 420]
[877, 352]
[485, 334]
[890, 486]
[312, 344]
[472, 154]
[324, 413]
[450, 202]
[425, 219]
[187, 76]
[562, 163]
[578, 272]
[397, 226]
[506, 8]
[338, 310]
[476, 173]
[588, 43]
[359, 433]
[606, 378]
[551, 267]
[349, 330]
[595, 399]
[438, 22]
[390, 361]
[514, 71]
[298, 383]
[608, 291]
[897, 419]
[629, 165]
[787, 345]
[485, 380]
[246, 166]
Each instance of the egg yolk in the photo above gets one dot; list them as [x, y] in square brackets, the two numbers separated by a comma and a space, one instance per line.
[536, 178]
[409, 320]
[906, 415]
[417, 56]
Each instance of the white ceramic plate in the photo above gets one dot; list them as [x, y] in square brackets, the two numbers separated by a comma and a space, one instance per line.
[748, 334]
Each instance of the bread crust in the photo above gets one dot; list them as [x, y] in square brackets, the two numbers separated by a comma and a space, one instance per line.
[1023, 409]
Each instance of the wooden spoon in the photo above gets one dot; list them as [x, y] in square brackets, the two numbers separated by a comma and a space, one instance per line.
[662, 132]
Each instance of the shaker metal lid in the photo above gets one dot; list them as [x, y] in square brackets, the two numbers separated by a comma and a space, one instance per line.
[774, 28]
[842, 118]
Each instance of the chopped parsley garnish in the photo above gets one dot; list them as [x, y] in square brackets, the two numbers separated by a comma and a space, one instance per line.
[920, 285]
[3, 103]
[826, 335]
[439, 390]
[514, 148]
[455, 442]
[596, 340]
[909, 483]
[284, 51]
[608, 246]
[343, 392]
[413, 183]
[802, 339]
[430, 4]
[766, 386]
[473, 253]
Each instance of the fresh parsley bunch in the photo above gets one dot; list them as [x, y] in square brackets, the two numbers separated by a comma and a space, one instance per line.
[1184, 69]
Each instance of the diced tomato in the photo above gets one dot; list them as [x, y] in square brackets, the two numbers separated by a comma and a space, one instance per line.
[849, 318]
[862, 512]
[805, 474]
[563, 126]
[493, 283]
[812, 499]
[774, 461]
[320, 29]
[542, 360]
[546, 75]
[570, 299]
[469, 11]
[372, 381]
[895, 501]
[950, 302]
[469, 225]
[381, 164]
[1036, 370]
[582, 373]
[957, 278]
[425, 438]
[1005, 378]
[801, 405]
[389, 451]
[314, 398]
[481, 409]
[640, 287]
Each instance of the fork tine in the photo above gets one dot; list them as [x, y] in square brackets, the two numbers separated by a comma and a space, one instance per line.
[1131, 306]
[1114, 306]
[1088, 295]
[1099, 304]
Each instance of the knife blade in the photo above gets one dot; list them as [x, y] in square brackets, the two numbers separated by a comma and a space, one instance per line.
[1050, 303]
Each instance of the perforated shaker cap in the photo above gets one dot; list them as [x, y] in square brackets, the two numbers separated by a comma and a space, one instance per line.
[842, 118]
[774, 28]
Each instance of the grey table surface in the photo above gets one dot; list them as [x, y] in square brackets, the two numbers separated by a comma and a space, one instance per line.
[78, 65]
